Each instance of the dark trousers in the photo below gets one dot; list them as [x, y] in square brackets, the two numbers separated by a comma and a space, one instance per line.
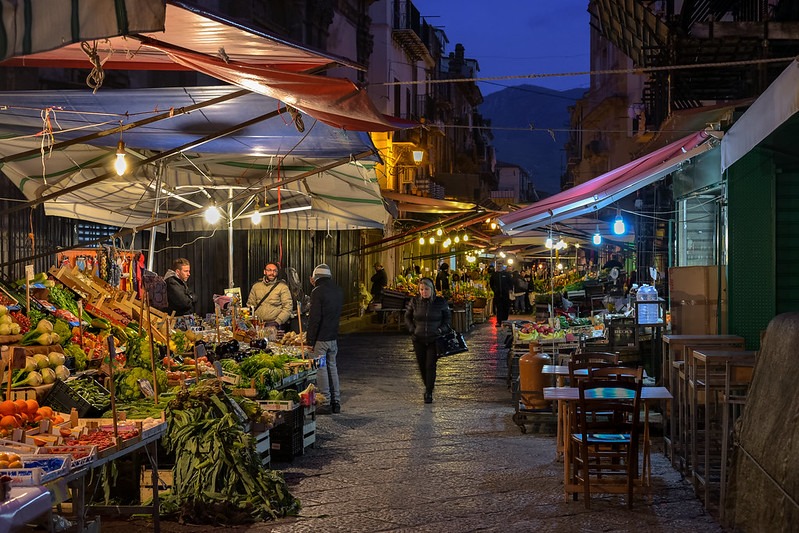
[503, 309]
[426, 357]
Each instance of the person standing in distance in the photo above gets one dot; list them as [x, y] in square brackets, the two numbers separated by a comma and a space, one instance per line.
[322, 332]
[427, 316]
[180, 299]
[501, 284]
[379, 282]
[271, 299]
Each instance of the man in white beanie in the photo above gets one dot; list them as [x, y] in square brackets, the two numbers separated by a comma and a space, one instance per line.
[322, 333]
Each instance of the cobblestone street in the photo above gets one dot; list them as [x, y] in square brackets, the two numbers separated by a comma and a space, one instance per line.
[388, 462]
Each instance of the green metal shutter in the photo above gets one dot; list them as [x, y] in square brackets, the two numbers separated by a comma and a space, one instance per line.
[751, 261]
[787, 242]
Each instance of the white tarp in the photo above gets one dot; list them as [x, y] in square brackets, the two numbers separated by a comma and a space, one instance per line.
[344, 198]
[776, 105]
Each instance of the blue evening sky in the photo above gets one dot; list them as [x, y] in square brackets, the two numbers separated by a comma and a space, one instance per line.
[517, 37]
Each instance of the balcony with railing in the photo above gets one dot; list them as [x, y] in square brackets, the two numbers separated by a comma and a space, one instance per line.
[409, 31]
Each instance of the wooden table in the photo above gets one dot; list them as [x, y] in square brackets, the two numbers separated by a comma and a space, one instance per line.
[673, 367]
[561, 372]
[565, 396]
[709, 372]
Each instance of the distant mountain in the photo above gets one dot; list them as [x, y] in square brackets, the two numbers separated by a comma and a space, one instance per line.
[537, 109]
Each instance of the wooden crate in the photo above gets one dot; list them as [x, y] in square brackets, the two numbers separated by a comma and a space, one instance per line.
[72, 278]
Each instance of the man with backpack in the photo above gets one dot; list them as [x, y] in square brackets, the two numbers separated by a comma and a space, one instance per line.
[271, 299]
[180, 299]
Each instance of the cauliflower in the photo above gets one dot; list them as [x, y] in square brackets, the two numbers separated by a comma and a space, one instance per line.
[127, 383]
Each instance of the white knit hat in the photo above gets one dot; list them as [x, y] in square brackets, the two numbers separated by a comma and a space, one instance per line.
[321, 271]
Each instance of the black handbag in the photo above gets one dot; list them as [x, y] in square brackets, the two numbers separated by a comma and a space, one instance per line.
[450, 344]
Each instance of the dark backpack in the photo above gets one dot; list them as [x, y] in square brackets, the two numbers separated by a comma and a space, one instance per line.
[155, 286]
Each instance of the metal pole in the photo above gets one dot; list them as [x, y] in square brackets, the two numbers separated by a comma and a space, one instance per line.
[151, 249]
[230, 238]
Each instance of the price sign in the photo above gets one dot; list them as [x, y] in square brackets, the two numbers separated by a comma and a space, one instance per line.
[29, 273]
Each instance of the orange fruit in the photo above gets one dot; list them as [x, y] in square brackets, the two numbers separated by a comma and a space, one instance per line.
[22, 405]
[46, 412]
[8, 421]
[33, 406]
[58, 419]
[8, 408]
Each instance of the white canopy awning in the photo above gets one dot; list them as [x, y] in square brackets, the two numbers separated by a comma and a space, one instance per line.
[248, 164]
[777, 104]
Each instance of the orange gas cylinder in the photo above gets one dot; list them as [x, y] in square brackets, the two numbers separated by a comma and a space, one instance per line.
[531, 380]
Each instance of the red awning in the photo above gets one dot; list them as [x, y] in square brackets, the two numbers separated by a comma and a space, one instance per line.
[335, 101]
[608, 188]
[145, 35]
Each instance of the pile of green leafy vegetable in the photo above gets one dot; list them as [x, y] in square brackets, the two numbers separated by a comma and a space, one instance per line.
[218, 477]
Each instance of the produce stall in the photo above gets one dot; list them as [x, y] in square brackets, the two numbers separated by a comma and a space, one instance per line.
[94, 375]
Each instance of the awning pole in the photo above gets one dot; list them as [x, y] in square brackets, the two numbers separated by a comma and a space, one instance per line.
[230, 238]
[151, 249]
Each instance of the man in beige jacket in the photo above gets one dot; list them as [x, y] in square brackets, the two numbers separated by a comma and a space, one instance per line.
[271, 298]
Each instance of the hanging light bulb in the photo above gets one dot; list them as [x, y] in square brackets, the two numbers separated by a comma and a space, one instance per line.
[597, 239]
[510, 260]
[439, 232]
[548, 243]
[493, 225]
[465, 237]
[618, 224]
[502, 255]
[120, 165]
[457, 239]
[447, 243]
[561, 244]
[431, 240]
[212, 215]
[560, 266]
[256, 218]
[421, 240]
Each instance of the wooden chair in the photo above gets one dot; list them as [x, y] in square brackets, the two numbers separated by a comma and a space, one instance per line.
[579, 371]
[596, 357]
[622, 373]
[604, 450]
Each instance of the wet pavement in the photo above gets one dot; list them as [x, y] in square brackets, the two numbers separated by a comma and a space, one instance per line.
[388, 462]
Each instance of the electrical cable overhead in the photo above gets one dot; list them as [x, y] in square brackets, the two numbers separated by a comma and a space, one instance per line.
[640, 70]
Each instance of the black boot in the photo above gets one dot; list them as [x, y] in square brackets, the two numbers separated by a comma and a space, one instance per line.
[335, 407]
[428, 397]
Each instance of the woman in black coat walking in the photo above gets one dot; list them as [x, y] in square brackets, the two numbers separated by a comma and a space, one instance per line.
[427, 317]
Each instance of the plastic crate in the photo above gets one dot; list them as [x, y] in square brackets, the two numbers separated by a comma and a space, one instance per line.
[287, 438]
[81, 455]
[38, 469]
[63, 399]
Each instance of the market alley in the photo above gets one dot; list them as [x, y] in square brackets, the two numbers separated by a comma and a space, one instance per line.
[389, 462]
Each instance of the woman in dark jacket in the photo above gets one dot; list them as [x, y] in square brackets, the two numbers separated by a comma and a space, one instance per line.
[427, 317]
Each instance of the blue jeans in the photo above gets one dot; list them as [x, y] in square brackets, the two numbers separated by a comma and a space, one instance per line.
[327, 376]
